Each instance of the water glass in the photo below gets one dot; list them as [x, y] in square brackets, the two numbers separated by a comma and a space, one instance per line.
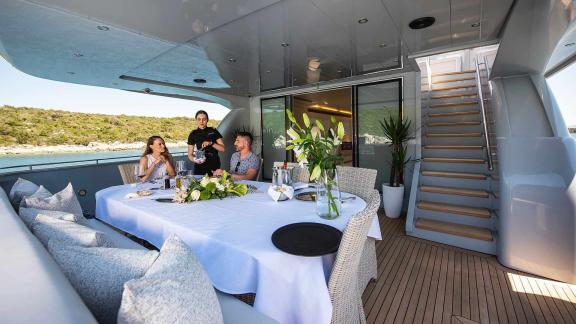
[180, 168]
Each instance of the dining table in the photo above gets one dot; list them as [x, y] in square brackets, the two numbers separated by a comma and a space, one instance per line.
[231, 237]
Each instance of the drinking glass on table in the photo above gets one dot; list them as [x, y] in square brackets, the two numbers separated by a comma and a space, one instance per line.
[138, 173]
[181, 168]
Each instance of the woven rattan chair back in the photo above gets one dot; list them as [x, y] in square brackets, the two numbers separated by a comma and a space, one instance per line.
[127, 172]
[358, 181]
[343, 284]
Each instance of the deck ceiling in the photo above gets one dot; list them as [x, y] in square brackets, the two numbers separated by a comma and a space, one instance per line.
[236, 46]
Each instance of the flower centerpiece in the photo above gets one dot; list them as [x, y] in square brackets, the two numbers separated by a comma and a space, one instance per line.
[318, 147]
[210, 188]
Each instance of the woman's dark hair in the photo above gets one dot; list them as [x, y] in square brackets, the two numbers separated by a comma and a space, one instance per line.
[201, 112]
[148, 150]
[246, 135]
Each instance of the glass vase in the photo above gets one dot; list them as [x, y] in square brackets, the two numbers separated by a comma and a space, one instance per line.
[328, 204]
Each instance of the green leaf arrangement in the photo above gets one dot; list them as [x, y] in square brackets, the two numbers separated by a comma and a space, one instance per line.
[212, 188]
[314, 144]
[397, 131]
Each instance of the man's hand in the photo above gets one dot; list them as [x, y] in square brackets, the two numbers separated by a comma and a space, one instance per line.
[205, 144]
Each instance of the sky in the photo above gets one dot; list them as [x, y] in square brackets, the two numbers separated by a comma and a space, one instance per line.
[19, 89]
[563, 85]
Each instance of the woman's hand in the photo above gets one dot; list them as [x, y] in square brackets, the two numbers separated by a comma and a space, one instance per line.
[205, 144]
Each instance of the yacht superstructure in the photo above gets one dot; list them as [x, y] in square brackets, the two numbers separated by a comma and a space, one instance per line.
[492, 162]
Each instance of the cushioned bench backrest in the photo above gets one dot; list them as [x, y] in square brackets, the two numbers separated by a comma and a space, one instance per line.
[33, 289]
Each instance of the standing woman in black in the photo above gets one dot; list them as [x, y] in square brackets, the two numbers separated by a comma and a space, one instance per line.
[207, 139]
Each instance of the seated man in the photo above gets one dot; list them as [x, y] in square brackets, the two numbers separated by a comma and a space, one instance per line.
[243, 164]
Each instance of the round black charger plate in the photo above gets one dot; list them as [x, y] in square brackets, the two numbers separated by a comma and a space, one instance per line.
[307, 239]
[164, 200]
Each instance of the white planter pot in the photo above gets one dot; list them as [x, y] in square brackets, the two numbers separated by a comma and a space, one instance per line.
[392, 198]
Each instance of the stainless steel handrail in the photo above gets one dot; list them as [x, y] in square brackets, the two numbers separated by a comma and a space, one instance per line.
[484, 121]
[88, 162]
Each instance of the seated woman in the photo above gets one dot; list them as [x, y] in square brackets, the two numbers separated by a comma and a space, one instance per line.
[156, 161]
[243, 164]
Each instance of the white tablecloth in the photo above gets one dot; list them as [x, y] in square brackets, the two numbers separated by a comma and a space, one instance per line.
[231, 237]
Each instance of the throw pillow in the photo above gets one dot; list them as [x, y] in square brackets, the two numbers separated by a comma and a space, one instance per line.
[64, 201]
[98, 274]
[48, 228]
[22, 187]
[28, 215]
[175, 289]
[41, 193]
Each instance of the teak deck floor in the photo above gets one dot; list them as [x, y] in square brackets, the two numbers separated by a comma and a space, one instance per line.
[424, 282]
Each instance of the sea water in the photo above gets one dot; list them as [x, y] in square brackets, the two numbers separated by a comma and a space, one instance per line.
[18, 162]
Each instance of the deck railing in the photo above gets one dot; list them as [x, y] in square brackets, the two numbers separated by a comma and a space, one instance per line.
[483, 109]
[49, 165]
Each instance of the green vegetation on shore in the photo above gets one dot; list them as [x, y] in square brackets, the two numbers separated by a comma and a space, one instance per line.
[22, 125]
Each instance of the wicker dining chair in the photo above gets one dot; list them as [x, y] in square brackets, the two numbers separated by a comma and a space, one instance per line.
[299, 174]
[360, 182]
[343, 285]
[127, 172]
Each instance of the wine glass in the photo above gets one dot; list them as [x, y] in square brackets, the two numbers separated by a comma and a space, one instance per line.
[181, 168]
[138, 174]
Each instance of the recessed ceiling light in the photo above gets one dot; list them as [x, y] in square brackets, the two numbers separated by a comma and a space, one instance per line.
[268, 71]
[382, 45]
[103, 28]
[569, 44]
[339, 71]
[362, 20]
[285, 44]
[475, 25]
[78, 54]
[200, 80]
[232, 60]
[422, 22]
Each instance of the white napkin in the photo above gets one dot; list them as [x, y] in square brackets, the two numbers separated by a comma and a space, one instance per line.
[285, 190]
[132, 195]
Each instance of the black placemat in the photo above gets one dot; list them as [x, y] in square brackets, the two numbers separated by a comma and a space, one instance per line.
[307, 239]
[164, 200]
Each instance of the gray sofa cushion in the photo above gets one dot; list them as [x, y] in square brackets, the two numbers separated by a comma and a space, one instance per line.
[33, 287]
[64, 201]
[176, 289]
[99, 274]
[40, 193]
[119, 240]
[28, 215]
[48, 228]
[21, 187]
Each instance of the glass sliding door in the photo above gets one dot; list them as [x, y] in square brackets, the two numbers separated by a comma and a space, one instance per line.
[374, 102]
[273, 133]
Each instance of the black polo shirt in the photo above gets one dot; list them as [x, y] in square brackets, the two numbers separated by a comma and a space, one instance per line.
[196, 138]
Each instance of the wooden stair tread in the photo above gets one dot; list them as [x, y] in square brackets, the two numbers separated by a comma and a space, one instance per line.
[454, 104]
[455, 191]
[462, 123]
[453, 147]
[455, 87]
[452, 73]
[471, 94]
[453, 80]
[454, 160]
[454, 209]
[473, 232]
[455, 113]
[454, 134]
[450, 174]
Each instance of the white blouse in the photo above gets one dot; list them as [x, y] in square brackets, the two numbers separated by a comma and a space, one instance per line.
[159, 169]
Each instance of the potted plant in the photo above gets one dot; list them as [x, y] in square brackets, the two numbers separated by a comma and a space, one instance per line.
[396, 131]
[317, 146]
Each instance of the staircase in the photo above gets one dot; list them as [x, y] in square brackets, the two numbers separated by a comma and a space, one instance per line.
[454, 198]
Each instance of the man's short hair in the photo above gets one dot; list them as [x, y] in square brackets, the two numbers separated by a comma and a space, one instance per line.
[246, 135]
